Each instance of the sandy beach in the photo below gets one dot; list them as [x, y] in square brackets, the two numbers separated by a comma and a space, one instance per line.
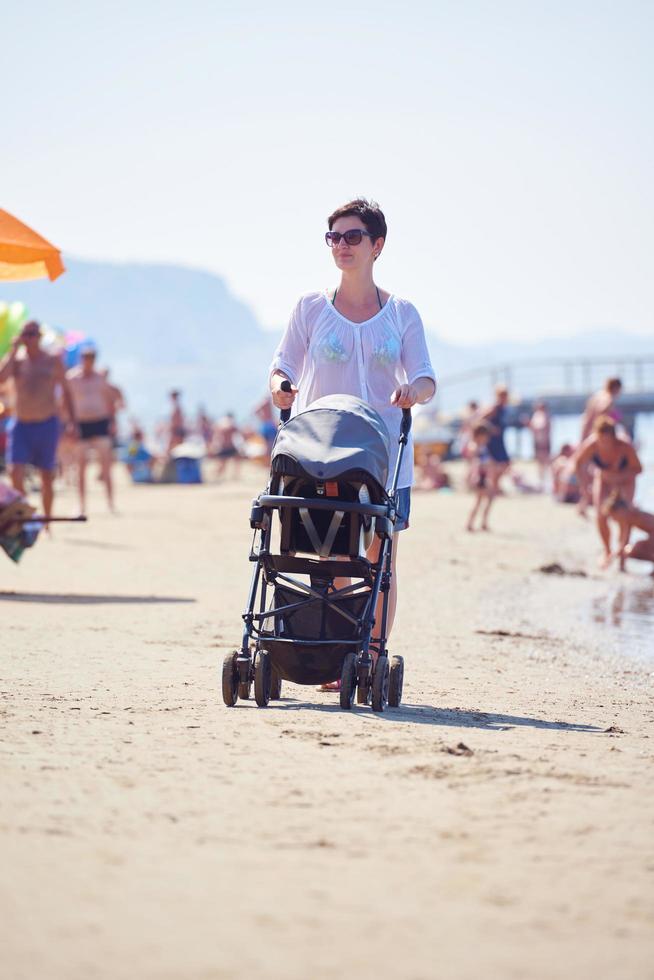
[499, 824]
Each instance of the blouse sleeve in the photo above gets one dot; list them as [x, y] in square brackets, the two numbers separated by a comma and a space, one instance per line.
[291, 352]
[415, 355]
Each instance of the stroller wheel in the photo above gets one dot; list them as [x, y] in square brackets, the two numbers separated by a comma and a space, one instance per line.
[275, 686]
[262, 678]
[230, 680]
[380, 684]
[348, 681]
[395, 682]
[364, 685]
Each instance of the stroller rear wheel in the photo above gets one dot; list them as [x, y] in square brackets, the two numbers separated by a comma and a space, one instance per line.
[395, 682]
[262, 678]
[230, 680]
[380, 680]
[348, 681]
[275, 686]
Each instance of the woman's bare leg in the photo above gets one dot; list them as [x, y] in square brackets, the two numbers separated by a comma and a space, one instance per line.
[486, 511]
[81, 477]
[373, 555]
[475, 510]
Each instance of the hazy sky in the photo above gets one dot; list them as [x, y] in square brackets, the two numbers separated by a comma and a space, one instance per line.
[510, 145]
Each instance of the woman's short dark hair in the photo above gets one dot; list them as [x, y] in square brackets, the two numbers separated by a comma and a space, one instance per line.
[370, 213]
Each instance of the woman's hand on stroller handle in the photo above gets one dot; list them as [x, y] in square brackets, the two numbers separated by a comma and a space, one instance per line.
[406, 396]
[282, 391]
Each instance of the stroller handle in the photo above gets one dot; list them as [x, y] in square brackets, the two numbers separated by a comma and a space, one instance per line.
[285, 413]
[405, 427]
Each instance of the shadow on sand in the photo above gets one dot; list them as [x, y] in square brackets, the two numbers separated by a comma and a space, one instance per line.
[420, 714]
[70, 599]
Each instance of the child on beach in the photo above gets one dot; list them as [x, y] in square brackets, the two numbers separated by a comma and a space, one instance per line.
[480, 459]
[628, 517]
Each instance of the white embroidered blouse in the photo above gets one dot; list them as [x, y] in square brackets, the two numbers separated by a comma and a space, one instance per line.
[324, 353]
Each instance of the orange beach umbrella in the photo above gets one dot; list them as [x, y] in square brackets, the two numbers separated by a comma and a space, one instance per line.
[24, 254]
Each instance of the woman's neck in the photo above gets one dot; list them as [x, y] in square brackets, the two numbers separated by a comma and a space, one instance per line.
[357, 290]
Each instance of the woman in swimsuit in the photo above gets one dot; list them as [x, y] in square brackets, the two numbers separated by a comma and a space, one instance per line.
[628, 517]
[495, 420]
[615, 468]
[358, 340]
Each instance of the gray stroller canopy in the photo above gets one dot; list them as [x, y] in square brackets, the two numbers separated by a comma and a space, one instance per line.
[335, 435]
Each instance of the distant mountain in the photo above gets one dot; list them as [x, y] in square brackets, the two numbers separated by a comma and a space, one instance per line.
[159, 327]
[163, 326]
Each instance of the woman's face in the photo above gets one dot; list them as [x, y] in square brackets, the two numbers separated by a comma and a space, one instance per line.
[354, 257]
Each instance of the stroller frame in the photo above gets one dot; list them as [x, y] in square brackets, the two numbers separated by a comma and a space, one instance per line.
[266, 656]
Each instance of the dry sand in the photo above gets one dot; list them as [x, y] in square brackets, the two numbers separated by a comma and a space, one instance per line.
[147, 831]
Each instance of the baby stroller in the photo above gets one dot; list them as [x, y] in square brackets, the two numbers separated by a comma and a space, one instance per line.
[325, 502]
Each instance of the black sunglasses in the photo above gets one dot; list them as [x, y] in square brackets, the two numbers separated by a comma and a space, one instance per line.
[352, 236]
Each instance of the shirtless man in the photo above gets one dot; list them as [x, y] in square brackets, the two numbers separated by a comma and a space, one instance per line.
[34, 434]
[94, 410]
[601, 403]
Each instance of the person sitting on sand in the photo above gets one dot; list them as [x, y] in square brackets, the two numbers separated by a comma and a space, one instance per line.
[482, 485]
[615, 467]
[431, 475]
[565, 487]
[628, 517]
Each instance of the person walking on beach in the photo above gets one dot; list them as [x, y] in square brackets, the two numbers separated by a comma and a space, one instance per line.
[494, 418]
[602, 402]
[33, 435]
[94, 403]
[360, 340]
[177, 423]
[226, 435]
[480, 464]
[540, 425]
[615, 468]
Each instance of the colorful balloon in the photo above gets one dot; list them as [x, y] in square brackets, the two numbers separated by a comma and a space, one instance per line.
[12, 318]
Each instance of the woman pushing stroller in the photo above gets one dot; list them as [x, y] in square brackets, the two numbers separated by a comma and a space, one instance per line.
[360, 340]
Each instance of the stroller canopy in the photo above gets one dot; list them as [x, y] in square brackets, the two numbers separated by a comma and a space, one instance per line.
[335, 435]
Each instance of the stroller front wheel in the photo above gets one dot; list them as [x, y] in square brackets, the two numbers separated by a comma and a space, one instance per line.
[380, 680]
[230, 680]
[262, 678]
[348, 681]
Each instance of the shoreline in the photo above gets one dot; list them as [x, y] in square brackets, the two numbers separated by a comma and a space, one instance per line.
[501, 817]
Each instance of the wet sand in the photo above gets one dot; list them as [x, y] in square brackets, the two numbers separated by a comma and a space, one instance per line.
[500, 824]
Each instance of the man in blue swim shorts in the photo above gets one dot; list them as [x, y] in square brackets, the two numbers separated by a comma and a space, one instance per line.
[33, 434]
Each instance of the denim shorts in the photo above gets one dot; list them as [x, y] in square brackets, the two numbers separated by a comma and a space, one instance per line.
[403, 503]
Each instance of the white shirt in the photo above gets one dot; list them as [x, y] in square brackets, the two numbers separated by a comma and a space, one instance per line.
[324, 353]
